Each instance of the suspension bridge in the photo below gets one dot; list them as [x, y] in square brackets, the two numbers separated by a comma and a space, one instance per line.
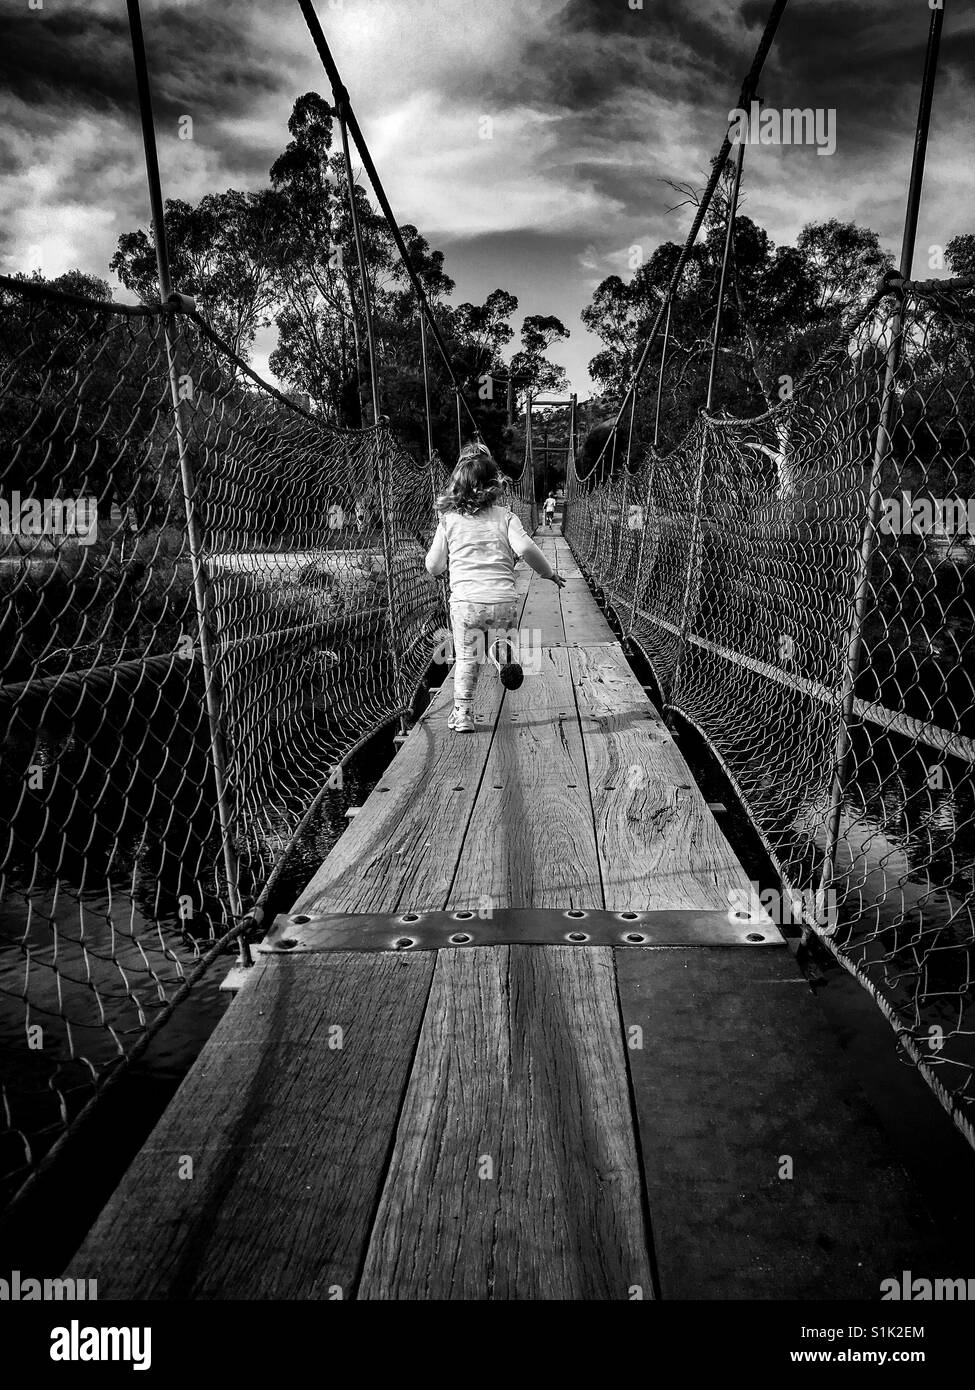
[529, 1030]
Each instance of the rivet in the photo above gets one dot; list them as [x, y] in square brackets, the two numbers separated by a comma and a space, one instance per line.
[754, 936]
[402, 942]
[300, 919]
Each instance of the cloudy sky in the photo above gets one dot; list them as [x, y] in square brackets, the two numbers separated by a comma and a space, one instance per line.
[592, 105]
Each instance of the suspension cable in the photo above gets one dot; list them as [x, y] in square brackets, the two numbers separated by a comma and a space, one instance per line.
[363, 278]
[744, 101]
[729, 236]
[344, 104]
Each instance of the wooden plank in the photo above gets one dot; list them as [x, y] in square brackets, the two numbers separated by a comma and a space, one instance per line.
[520, 1060]
[581, 617]
[543, 612]
[399, 852]
[514, 1174]
[530, 839]
[603, 676]
[739, 1071]
[659, 845]
[287, 1135]
[565, 561]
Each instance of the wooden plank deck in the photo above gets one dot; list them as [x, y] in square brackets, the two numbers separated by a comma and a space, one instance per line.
[481, 1123]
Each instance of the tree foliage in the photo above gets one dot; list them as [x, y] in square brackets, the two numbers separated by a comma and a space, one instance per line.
[286, 255]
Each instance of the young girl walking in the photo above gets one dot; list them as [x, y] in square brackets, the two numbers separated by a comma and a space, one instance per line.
[482, 539]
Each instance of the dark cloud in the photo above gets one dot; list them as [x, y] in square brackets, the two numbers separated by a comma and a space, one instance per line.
[618, 100]
[81, 60]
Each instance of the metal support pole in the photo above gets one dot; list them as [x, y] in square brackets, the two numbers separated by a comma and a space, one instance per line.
[363, 278]
[382, 479]
[660, 377]
[511, 401]
[342, 100]
[645, 518]
[685, 615]
[188, 482]
[625, 503]
[729, 233]
[529, 468]
[569, 462]
[692, 556]
[433, 481]
[426, 392]
[882, 443]
[460, 432]
[717, 165]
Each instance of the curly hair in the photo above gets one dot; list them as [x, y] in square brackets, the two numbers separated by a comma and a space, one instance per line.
[475, 483]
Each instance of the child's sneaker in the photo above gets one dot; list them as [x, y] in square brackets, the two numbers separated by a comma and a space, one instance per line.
[460, 720]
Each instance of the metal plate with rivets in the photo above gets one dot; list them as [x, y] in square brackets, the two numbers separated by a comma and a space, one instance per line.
[435, 931]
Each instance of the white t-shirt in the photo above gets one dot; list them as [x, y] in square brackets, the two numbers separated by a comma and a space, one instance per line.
[482, 551]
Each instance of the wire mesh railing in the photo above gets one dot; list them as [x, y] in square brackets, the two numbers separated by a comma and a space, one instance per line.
[734, 562]
[309, 595]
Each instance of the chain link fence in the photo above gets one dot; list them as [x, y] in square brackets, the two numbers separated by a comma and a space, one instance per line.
[204, 610]
[735, 562]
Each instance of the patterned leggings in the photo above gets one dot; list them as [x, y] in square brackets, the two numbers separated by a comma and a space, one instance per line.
[467, 620]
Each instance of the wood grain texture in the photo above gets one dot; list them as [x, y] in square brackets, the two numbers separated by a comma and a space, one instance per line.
[530, 840]
[738, 1070]
[659, 845]
[519, 1052]
[582, 621]
[543, 612]
[400, 850]
[515, 1173]
[602, 674]
[287, 1136]
[565, 562]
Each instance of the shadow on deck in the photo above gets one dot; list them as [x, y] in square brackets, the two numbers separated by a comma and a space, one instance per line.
[513, 1120]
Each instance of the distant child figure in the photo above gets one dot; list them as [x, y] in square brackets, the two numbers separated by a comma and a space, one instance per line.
[549, 509]
[482, 541]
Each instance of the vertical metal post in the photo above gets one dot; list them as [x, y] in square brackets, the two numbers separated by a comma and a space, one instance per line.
[361, 258]
[433, 481]
[570, 462]
[529, 468]
[729, 233]
[383, 475]
[460, 432]
[660, 378]
[187, 480]
[643, 537]
[545, 447]
[692, 557]
[854, 639]
[689, 585]
[625, 501]
[426, 392]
